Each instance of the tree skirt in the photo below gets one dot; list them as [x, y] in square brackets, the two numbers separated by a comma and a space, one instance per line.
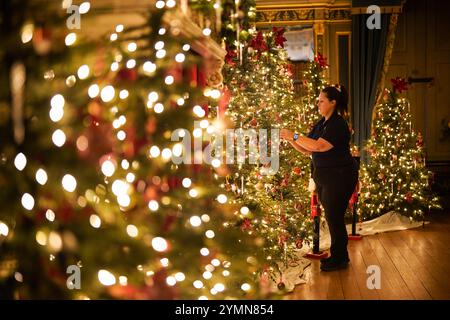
[295, 272]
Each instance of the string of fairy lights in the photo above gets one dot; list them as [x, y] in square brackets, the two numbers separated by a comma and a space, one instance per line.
[120, 174]
[274, 207]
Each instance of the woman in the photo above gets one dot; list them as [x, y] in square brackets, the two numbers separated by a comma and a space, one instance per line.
[335, 172]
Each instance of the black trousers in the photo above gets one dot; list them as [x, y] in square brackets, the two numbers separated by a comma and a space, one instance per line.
[335, 186]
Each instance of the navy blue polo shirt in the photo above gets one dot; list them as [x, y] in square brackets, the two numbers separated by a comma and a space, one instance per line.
[335, 130]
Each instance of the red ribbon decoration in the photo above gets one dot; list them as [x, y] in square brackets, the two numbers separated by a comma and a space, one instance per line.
[279, 36]
[321, 60]
[399, 84]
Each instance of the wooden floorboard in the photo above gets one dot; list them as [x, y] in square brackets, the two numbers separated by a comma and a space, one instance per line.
[414, 264]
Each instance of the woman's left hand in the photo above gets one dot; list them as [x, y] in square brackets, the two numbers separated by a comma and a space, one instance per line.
[286, 134]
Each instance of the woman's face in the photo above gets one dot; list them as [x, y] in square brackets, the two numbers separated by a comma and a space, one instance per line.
[325, 106]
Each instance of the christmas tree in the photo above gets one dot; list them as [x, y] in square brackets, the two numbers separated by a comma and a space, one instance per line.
[274, 205]
[89, 171]
[396, 178]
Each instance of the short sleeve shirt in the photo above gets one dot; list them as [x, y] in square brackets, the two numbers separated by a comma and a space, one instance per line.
[335, 130]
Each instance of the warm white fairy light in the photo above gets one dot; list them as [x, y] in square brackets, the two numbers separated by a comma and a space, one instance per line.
[113, 36]
[169, 80]
[41, 176]
[179, 276]
[205, 218]
[59, 138]
[131, 64]
[114, 66]
[161, 53]
[41, 238]
[70, 39]
[186, 47]
[159, 244]
[226, 273]
[50, 215]
[198, 111]
[123, 280]
[154, 152]
[207, 275]
[210, 234]
[95, 221]
[244, 210]
[207, 32]
[82, 143]
[197, 133]
[69, 183]
[84, 7]
[162, 31]
[215, 262]
[132, 46]
[180, 101]
[158, 108]
[108, 168]
[119, 28]
[57, 101]
[180, 57]
[166, 154]
[164, 262]
[215, 94]
[120, 187]
[219, 287]
[55, 241]
[149, 67]
[171, 281]
[130, 177]
[198, 284]
[132, 230]
[83, 72]
[27, 32]
[56, 114]
[121, 135]
[71, 80]
[160, 4]
[4, 230]
[123, 200]
[27, 201]
[106, 278]
[186, 182]
[93, 91]
[125, 164]
[153, 205]
[195, 221]
[193, 193]
[221, 198]
[177, 150]
[20, 161]
[170, 3]
[216, 163]
[153, 96]
[123, 94]
[245, 287]
[108, 93]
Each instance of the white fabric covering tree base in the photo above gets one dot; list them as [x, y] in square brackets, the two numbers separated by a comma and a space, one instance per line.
[296, 273]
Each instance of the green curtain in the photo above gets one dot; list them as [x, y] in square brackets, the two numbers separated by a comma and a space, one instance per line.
[368, 50]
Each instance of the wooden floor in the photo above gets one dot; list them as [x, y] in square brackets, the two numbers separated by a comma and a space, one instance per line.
[414, 264]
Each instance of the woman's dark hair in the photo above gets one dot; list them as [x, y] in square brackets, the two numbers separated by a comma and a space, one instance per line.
[340, 95]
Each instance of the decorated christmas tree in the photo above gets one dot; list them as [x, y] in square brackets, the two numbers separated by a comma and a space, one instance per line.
[396, 178]
[89, 167]
[275, 205]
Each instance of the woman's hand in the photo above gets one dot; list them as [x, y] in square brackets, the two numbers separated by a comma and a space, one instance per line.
[286, 134]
